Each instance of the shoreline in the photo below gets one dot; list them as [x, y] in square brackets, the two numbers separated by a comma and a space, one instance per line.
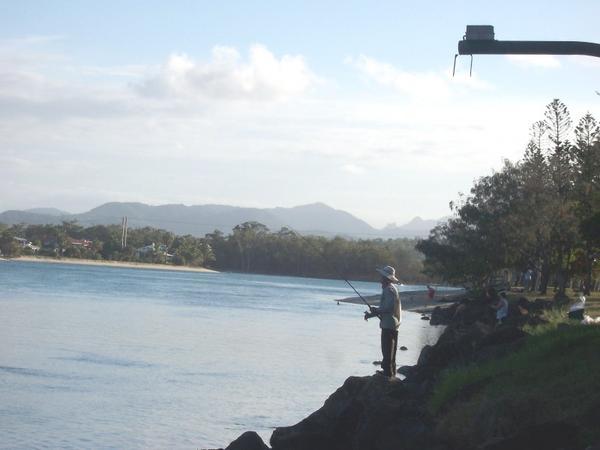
[106, 263]
[412, 301]
[455, 381]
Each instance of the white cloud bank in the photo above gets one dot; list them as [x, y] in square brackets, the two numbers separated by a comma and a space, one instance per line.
[227, 76]
[539, 61]
[73, 137]
[422, 85]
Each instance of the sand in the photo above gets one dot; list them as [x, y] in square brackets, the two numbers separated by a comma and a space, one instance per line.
[415, 301]
[104, 263]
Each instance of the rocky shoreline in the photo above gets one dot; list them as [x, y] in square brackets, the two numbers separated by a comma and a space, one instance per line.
[376, 413]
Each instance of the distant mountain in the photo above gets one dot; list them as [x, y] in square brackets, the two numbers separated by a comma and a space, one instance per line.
[317, 218]
[198, 220]
[201, 219]
[416, 228]
[48, 211]
[13, 217]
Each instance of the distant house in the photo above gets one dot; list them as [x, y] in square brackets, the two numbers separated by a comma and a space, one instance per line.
[145, 250]
[24, 243]
[85, 243]
[152, 249]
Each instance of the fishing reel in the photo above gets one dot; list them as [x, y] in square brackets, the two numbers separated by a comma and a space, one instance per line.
[371, 313]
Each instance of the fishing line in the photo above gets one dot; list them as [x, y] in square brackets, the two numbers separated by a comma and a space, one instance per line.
[333, 266]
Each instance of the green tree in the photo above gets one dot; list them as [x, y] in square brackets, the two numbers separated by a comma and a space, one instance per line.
[586, 165]
[248, 238]
[8, 245]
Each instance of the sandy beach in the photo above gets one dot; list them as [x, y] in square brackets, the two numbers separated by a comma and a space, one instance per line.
[120, 264]
[414, 301]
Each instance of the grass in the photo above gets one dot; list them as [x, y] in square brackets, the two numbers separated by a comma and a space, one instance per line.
[592, 303]
[553, 377]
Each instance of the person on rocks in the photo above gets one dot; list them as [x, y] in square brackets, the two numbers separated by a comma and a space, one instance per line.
[501, 307]
[390, 317]
[430, 292]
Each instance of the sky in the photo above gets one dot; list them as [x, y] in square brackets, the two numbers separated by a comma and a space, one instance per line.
[264, 104]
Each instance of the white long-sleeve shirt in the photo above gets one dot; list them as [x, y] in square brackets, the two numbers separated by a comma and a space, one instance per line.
[390, 309]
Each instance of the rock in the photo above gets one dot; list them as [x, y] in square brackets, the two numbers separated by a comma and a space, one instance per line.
[424, 355]
[248, 441]
[376, 363]
[425, 318]
[366, 413]
[469, 339]
[406, 370]
[442, 316]
[541, 304]
[547, 436]
[403, 348]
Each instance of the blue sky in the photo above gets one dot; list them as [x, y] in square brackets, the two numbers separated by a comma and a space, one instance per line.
[273, 103]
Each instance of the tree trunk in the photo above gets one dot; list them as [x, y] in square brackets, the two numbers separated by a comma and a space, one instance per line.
[589, 262]
[544, 278]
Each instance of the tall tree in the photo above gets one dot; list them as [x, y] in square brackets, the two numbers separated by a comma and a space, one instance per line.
[586, 165]
[558, 122]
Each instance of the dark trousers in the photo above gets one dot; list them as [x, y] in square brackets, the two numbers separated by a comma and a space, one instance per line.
[389, 346]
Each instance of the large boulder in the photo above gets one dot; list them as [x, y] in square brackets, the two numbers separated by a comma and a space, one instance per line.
[248, 441]
[466, 340]
[442, 315]
[366, 413]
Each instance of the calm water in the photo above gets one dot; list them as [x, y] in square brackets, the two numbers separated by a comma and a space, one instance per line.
[95, 357]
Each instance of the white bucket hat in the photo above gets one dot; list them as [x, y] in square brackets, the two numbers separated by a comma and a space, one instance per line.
[388, 272]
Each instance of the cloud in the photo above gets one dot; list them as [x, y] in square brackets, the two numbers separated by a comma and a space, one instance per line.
[30, 40]
[590, 62]
[353, 169]
[68, 130]
[540, 61]
[423, 85]
[226, 76]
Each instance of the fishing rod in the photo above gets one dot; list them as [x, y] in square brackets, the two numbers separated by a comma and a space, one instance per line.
[333, 266]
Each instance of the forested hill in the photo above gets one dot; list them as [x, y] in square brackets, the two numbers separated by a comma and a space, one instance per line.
[316, 219]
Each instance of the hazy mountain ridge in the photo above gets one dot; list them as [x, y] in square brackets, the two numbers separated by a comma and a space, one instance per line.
[417, 227]
[48, 211]
[315, 218]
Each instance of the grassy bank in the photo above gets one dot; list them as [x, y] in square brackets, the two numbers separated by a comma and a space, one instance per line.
[552, 378]
[592, 304]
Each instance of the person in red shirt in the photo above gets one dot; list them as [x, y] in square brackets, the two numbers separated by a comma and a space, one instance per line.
[430, 292]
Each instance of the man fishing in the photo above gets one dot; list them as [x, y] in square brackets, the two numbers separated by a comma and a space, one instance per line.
[390, 316]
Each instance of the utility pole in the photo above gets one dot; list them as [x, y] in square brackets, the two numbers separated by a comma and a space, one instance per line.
[123, 232]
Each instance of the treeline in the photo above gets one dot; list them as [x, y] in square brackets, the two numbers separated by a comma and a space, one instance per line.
[251, 247]
[539, 216]
[104, 242]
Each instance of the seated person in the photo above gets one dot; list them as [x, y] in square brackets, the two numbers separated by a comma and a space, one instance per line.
[501, 307]
[577, 309]
[523, 306]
